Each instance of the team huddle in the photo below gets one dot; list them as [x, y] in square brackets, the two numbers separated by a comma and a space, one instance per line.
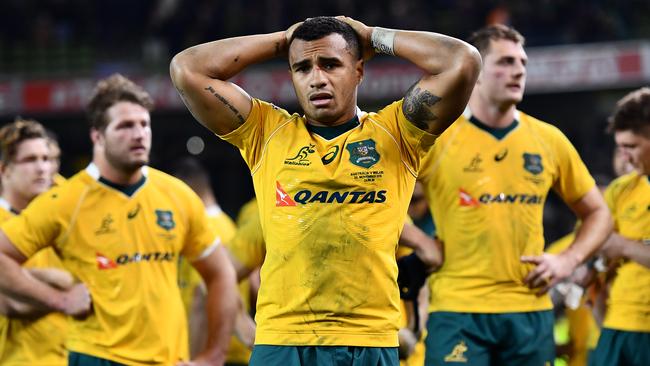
[123, 264]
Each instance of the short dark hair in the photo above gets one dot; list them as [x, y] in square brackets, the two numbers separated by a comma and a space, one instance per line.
[192, 172]
[13, 134]
[632, 113]
[319, 27]
[482, 37]
[116, 88]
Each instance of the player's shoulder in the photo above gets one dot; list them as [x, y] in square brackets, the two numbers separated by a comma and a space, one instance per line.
[271, 111]
[167, 182]
[626, 181]
[537, 124]
[70, 189]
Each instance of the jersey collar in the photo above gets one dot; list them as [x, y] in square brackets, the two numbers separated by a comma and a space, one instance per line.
[498, 133]
[329, 133]
[5, 204]
[128, 190]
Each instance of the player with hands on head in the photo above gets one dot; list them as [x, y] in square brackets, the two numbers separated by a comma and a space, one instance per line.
[332, 185]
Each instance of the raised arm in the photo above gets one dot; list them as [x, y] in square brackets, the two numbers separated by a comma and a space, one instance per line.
[451, 68]
[200, 75]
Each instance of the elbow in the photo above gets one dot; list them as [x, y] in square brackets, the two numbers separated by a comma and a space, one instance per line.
[469, 64]
[178, 69]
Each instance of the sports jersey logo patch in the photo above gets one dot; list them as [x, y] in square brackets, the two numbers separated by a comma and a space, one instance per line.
[458, 353]
[331, 154]
[302, 157]
[103, 262]
[165, 219]
[474, 165]
[282, 198]
[466, 199]
[363, 153]
[501, 155]
[106, 226]
[533, 163]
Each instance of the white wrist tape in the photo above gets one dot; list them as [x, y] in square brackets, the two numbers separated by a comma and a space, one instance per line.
[383, 40]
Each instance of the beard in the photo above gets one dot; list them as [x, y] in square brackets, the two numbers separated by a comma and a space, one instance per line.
[122, 162]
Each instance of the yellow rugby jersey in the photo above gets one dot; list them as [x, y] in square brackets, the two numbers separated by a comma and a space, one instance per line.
[628, 306]
[38, 342]
[125, 249]
[331, 211]
[247, 246]
[486, 189]
[188, 277]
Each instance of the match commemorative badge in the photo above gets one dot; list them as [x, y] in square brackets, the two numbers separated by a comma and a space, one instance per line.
[363, 153]
[165, 219]
[533, 163]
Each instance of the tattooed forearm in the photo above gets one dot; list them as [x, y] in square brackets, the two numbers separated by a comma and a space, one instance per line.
[416, 107]
[227, 104]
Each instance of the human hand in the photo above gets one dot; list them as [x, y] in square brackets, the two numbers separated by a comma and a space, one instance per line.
[77, 301]
[550, 270]
[58, 278]
[364, 32]
[289, 32]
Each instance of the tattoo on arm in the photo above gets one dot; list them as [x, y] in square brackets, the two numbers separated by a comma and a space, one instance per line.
[227, 104]
[416, 107]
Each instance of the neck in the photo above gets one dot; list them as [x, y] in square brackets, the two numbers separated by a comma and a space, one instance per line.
[496, 116]
[208, 200]
[341, 120]
[16, 201]
[115, 175]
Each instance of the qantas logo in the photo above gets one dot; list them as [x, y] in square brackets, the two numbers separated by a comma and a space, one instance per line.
[465, 199]
[104, 263]
[281, 197]
[304, 196]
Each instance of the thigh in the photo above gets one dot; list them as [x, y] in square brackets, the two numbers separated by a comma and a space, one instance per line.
[374, 356]
[456, 338]
[608, 350]
[636, 348]
[81, 359]
[527, 340]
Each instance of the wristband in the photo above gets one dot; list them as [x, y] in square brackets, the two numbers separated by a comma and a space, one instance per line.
[383, 40]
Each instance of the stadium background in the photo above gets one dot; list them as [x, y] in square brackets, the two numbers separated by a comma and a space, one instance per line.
[584, 55]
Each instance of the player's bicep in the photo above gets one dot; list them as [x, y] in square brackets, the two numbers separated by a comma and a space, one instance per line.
[435, 101]
[219, 105]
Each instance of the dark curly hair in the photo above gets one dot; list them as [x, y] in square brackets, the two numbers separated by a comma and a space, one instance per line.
[632, 113]
[319, 27]
[116, 88]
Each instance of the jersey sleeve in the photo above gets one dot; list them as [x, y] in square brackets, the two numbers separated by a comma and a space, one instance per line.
[37, 226]
[250, 137]
[413, 141]
[573, 180]
[201, 238]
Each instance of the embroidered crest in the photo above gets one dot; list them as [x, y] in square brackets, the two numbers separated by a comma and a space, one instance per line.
[363, 153]
[165, 219]
[533, 163]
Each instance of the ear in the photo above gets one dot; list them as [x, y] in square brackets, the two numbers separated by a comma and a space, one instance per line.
[96, 136]
[359, 70]
[3, 168]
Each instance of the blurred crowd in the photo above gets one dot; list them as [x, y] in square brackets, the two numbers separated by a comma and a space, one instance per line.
[70, 36]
